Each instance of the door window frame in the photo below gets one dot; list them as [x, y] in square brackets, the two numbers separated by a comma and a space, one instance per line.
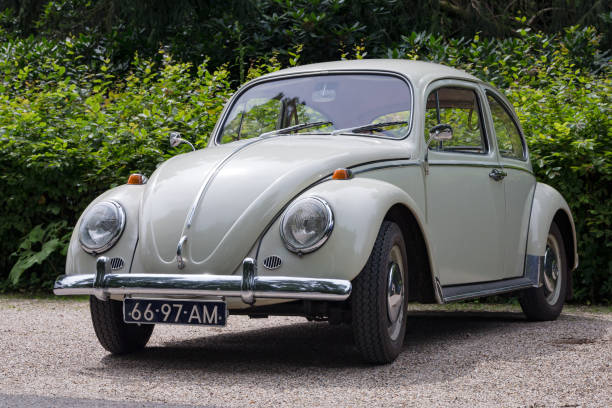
[453, 83]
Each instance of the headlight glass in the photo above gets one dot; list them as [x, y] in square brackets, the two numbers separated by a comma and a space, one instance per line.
[306, 224]
[101, 227]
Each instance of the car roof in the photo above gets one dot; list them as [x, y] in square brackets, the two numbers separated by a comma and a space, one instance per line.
[418, 72]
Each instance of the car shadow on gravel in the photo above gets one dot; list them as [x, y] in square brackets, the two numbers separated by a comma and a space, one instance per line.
[439, 346]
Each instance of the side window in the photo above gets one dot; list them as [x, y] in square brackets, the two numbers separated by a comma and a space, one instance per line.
[457, 107]
[508, 137]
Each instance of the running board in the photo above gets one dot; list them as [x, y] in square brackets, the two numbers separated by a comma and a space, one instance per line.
[531, 279]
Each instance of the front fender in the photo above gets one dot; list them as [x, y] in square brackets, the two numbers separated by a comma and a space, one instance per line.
[129, 196]
[547, 202]
[359, 206]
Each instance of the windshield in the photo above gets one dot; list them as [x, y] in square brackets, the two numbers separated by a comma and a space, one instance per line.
[323, 104]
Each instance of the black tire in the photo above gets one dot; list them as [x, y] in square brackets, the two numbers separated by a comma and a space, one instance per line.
[541, 304]
[113, 333]
[370, 320]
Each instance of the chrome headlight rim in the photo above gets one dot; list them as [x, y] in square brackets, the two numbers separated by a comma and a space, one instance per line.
[327, 232]
[116, 235]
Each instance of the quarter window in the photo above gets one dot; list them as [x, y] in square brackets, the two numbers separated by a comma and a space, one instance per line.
[457, 107]
[508, 136]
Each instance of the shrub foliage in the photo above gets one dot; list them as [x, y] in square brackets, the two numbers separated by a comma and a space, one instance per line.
[71, 127]
[240, 31]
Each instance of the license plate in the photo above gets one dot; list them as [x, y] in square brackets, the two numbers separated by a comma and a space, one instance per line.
[153, 311]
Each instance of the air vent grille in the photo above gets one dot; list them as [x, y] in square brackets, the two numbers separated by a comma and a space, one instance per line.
[272, 262]
[116, 263]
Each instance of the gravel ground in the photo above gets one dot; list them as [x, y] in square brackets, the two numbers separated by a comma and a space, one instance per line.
[464, 355]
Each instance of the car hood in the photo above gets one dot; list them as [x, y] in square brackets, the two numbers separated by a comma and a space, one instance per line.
[241, 187]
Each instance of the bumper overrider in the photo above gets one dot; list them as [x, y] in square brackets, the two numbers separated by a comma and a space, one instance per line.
[248, 287]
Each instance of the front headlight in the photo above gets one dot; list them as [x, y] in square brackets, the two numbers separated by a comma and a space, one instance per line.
[101, 227]
[306, 224]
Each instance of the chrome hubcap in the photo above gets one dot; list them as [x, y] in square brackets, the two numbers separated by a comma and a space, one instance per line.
[395, 292]
[552, 271]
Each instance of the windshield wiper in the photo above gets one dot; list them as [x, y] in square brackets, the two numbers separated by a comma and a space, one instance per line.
[374, 126]
[294, 128]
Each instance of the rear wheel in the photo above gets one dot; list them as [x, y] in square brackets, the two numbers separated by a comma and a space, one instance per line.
[379, 298]
[546, 302]
[113, 333]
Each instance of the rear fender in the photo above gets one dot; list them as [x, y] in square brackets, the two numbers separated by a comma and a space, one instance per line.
[549, 205]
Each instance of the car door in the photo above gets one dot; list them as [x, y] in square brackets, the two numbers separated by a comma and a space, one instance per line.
[465, 205]
[519, 181]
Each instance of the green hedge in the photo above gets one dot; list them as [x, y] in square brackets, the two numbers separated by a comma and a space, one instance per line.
[71, 127]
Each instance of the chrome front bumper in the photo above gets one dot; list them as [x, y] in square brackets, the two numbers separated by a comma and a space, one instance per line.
[248, 287]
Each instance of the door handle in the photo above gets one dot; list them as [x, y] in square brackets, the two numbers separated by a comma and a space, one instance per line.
[497, 174]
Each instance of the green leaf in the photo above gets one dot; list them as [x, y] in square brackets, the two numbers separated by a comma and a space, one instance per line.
[33, 258]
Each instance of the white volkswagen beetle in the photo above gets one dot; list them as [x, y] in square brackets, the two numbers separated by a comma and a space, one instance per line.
[337, 191]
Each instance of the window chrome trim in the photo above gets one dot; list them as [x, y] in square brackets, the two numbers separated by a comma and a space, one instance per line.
[327, 232]
[114, 238]
[217, 131]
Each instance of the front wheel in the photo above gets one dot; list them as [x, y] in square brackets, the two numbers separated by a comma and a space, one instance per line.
[546, 302]
[379, 298]
[113, 333]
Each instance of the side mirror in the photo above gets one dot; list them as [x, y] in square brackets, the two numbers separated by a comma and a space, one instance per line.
[176, 139]
[437, 133]
[441, 132]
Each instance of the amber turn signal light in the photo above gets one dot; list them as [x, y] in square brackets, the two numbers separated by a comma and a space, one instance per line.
[137, 179]
[342, 174]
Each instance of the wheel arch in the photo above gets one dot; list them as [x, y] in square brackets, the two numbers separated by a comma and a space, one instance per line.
[565, 224]
[420, 279]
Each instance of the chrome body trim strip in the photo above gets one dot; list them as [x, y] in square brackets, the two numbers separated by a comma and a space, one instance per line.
[478, 164]
[530, 279]
[464, 163]
[383, 164]
[248, 287]
[513, 167]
